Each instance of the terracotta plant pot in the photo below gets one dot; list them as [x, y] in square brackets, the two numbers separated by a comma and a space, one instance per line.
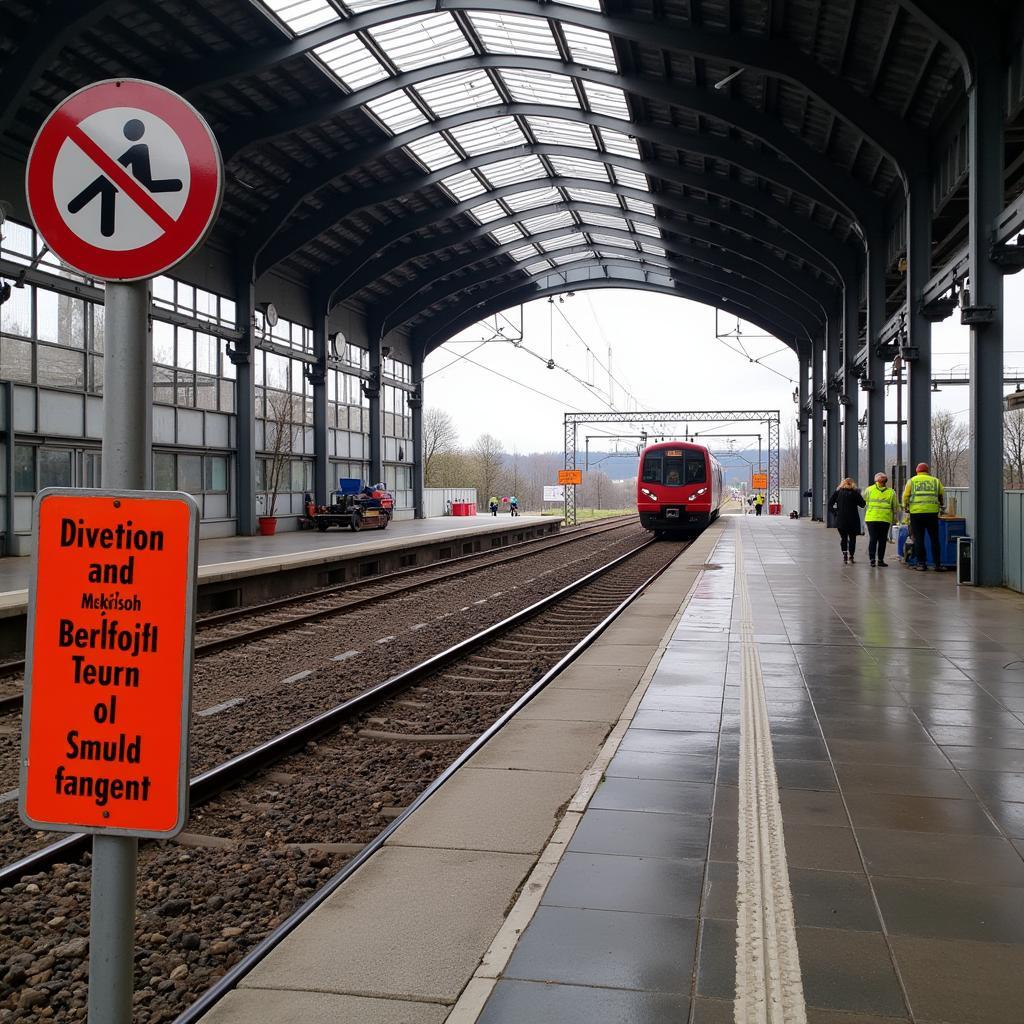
[268, 526]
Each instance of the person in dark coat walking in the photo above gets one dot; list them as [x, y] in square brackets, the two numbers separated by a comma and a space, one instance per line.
[844, 505]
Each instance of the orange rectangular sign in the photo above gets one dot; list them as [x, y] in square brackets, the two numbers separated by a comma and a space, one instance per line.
[108, 662]
[570, 476]
[759, 481]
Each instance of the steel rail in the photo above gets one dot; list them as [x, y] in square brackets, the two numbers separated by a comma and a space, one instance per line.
[209, 783]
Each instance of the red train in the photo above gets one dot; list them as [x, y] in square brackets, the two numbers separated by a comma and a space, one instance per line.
[679, 487]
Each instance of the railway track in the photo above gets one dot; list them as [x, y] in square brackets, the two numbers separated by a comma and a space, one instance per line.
[269, 617]
[477, 679]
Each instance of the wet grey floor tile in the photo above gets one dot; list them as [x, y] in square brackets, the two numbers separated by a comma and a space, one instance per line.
[923, 755]
[918, 814]
[993, 759]
[642, 834]
[907, 780]
[825, 848]
[958, 858]
[996, 785]
[712, 1011]
[716, 970]
[832, 899]
[1008, 816]
[815, 775]
[527, 1002]
[677, 721]
[977, 736]
[720, 892]
[653, 795]
[639, 885]
[636, 764]
[801, 807]
[664, 742]
[598, 947]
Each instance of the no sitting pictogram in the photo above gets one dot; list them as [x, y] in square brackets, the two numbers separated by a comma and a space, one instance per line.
[124, 180]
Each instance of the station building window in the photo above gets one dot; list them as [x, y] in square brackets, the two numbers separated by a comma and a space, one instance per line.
[190, 472]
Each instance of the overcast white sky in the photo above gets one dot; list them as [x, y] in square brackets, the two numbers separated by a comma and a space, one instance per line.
[663, 350]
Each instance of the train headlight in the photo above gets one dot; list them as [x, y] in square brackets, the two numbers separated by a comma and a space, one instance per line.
[697, 494]
[650, 494]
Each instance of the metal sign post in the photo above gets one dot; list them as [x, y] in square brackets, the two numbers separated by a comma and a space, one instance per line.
[124, 179]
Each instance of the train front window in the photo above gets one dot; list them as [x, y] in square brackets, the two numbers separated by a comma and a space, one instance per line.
[652, 470]
[695, 471]
[674, 471]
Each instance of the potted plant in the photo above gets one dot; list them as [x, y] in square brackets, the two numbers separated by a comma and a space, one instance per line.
[279, 443]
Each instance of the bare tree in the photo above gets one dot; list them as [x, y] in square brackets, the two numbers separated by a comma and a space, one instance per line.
[789, 457]
[950, 443]
[488, 459]
[440, 438]
[1013, 448]
[280, 444]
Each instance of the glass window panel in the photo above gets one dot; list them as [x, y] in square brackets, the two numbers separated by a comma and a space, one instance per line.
[452, 94]
[520, 168]
[186, 357]
[617, 142]
[190, 474]
[206, 353]
[417, 42]
[16, 313]
[46, 315]
[227, 396]
[488, 135]
[515, 33]
[509, 233]
[433, 152]
[185, 296]
[60, 368]
[589, 47]
[215, 470]
[586, 195]
[16, 360]
[277, 371]
[163, 472]
[17, 241]
[530, 199]
[548, 222]
[538, 268]
[486, 212]
[589, 5]
[600, 239]
[24, 469]
[464, 185]
[351, 62]
[571, 167]
[397, 112]
[206, 392]
[98, 322]
[54, 467]
[571, 257]
[603, 99]
[561, 132]
[206, 305]
[185, 390]
[621, 254]
[540, 87]
[605, 220]
[561, 243]
[639, 206]
[634, 179]
[163, 385]
[654, 250]
[302, 15]
[163, 291]
[646, 229]
[357, 6]
[163, 343]
[70, 322]
[525, 252]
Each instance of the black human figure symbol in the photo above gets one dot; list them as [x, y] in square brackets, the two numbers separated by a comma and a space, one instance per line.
[135, 159]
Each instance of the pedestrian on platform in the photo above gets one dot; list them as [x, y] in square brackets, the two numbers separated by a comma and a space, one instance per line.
[758, 504]
[923, 498]
[513, 505]
[845, 503]
[493, 503]
[882, 509]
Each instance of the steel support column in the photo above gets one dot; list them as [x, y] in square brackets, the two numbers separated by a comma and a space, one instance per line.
[919, 329]
[371, 389]
[416, 406]
[850, 391]
[242, 354]
[876, 364]
[802, 429]
[316, 374]
[833, 362]
[984, 313]
[817, 434]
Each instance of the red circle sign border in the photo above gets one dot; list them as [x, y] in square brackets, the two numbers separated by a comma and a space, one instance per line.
[205, 189]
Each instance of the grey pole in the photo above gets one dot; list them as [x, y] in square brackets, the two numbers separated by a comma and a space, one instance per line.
[802, 430]
[919, 329]
[317, 375]
[832, 363]
[8, 386]
[984, 313]
[416, 406]
[371, 389]
[127, 464]
[876, 365]
[243, 356]
[817, 435]
[851, 408]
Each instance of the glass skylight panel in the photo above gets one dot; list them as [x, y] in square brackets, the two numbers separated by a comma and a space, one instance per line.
[489, 135]
[564, 241]
[519, 34]
[603, 99]
[358, 6]
[589, 47]
[571, 167]
[549, 222]
[464, 185]
[617, 142]
[646, 229]
[451, 94]
[639, 206]
[561, 132]
[434, 152]
[538, 268]
[524, 252]
[519, 168]
[634, 179]
[351, 62]
[417, 42]
[612, 240]
[571, 257]
[302, 15]
[397, 111]
[654, 250]
[532, 198]
[589, 5]
[540, 87]
[508, 233]
[619, 254]
[587, 195]
[486, 212]
[603, 220]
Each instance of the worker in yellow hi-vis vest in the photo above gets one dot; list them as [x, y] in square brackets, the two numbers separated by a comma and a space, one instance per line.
[924, 497]
[882, 509]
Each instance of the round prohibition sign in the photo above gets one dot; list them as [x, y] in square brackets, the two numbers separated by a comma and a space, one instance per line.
[124, 179]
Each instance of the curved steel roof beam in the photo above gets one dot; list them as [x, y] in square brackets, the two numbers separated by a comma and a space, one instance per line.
[435, 331]
[271, 246]
[754, 259]
[951, 24]
[776, 57]
[338, 284]
[409, 302]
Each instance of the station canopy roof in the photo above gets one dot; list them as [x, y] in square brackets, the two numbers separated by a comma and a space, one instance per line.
[433, 161]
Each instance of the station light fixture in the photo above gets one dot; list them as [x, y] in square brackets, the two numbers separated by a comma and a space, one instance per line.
[728, 78]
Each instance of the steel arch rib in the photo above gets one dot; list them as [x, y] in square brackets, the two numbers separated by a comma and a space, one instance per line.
[775, 57]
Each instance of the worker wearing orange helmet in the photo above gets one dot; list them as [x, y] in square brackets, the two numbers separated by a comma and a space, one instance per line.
[923, 498]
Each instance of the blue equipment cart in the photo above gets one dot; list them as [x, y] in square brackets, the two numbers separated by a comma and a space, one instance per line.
[949, 530]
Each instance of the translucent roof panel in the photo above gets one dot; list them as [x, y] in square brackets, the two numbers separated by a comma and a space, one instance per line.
[654, 250]
[302, 15]
[646, 229]
[397, 112]
[520, 168]
[603, 99]
[508, 233]
[600, 239]
[417, 42]
[524, 252]
[619, 254]
[626, 176]
[538, 268]
[590, 5]
[571, 167]
[571, 257]
[540, 87]
[639, 206]
[464, 185]
[358, 6]
[604, 220]
[453, 94]
[433, 152]
[617, 142]
[559, 131]
[486, 212]
[351, 62]
[488, 135]
[548, 222]
[587, 195]
[518, 34]
[532, 198]
[565, 240]
[589, 47]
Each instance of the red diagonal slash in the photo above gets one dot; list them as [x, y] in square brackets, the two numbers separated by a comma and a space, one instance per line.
[122, 179]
